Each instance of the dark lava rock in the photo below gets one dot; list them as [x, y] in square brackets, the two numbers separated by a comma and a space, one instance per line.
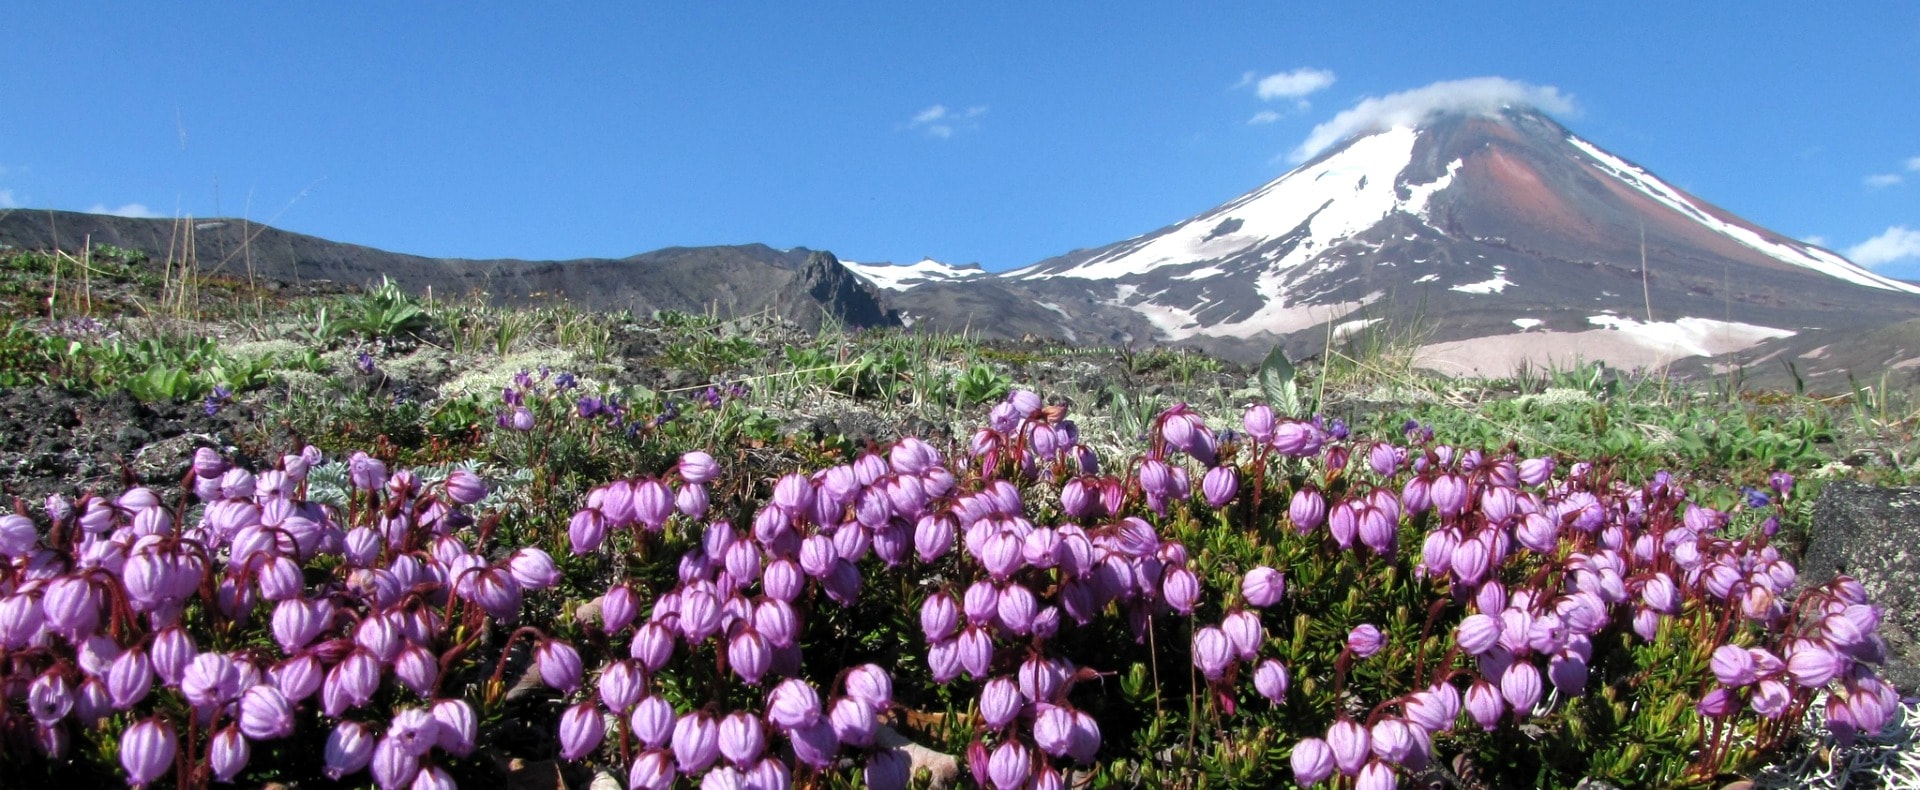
[823, 290]
[1873, 535]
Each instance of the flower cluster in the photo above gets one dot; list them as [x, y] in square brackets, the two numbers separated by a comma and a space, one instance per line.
[94, 626]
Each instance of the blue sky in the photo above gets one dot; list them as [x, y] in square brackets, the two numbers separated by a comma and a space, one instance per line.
[894, 131]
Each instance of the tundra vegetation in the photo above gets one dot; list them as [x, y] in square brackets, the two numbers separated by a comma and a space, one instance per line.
[415, 542]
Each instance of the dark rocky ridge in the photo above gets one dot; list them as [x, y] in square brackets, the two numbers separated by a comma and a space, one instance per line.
[731, 280]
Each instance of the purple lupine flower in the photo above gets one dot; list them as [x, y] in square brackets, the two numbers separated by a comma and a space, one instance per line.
[581, 731]
[146, 751]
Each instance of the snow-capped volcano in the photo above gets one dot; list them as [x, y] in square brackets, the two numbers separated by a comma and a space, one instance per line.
[1474, 225]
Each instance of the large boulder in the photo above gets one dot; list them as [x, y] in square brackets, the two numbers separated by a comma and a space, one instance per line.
[1873, 535]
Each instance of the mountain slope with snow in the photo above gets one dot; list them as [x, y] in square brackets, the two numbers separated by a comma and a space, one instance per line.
[1463, 226]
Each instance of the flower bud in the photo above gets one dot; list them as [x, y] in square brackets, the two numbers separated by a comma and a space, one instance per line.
[581, 731]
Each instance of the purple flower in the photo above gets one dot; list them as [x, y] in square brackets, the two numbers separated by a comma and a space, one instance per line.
[392, 765]
[1010, 766]
[533, 569]
[1718, 703]
[1307, 510]
[1312, 761]
[976, 652]
[696, 742]
[1365, 640]
[1263, 586]
[210, 680]
[559, 665]
[887, 769]
[350, 683]
[1375, 775]
[852, 721]
[581, 731]
[1212, 652]
[652, 721]
[1180, 589]
[652, 770]
[227, 754]
[265, 713]
[652, 646]
[459, 727]
[1813, 663]
[1520, 686]
[129, 678]
[1484, 704]
[1220, 485]
[1000, 702]
[1244, 632]
[793, 704]
[1477, 634]
[146, 751]
[749, 655]
[1732, 665]
[417, 669]
[742, 738]
[814, 744]
[17, 535]
[1271, 680]
[872, 685]
[1350, 745]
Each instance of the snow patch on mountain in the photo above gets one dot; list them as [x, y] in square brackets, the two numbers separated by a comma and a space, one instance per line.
[1323, 204]
[1496, 285]
[1799, 255]
[900, 277]
[1619, 342]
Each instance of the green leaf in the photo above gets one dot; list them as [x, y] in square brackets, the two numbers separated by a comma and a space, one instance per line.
[1276, 382]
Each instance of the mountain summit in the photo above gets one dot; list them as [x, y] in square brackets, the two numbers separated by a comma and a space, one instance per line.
[1504, 235]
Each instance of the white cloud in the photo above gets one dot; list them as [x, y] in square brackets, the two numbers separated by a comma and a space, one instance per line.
[1914, 164]
[1263, 116]
[1882, 180]
[127, 210]
[939, 121]
[1899, 243]
[1296, 84]
[1477, 95]
[1816, 240]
